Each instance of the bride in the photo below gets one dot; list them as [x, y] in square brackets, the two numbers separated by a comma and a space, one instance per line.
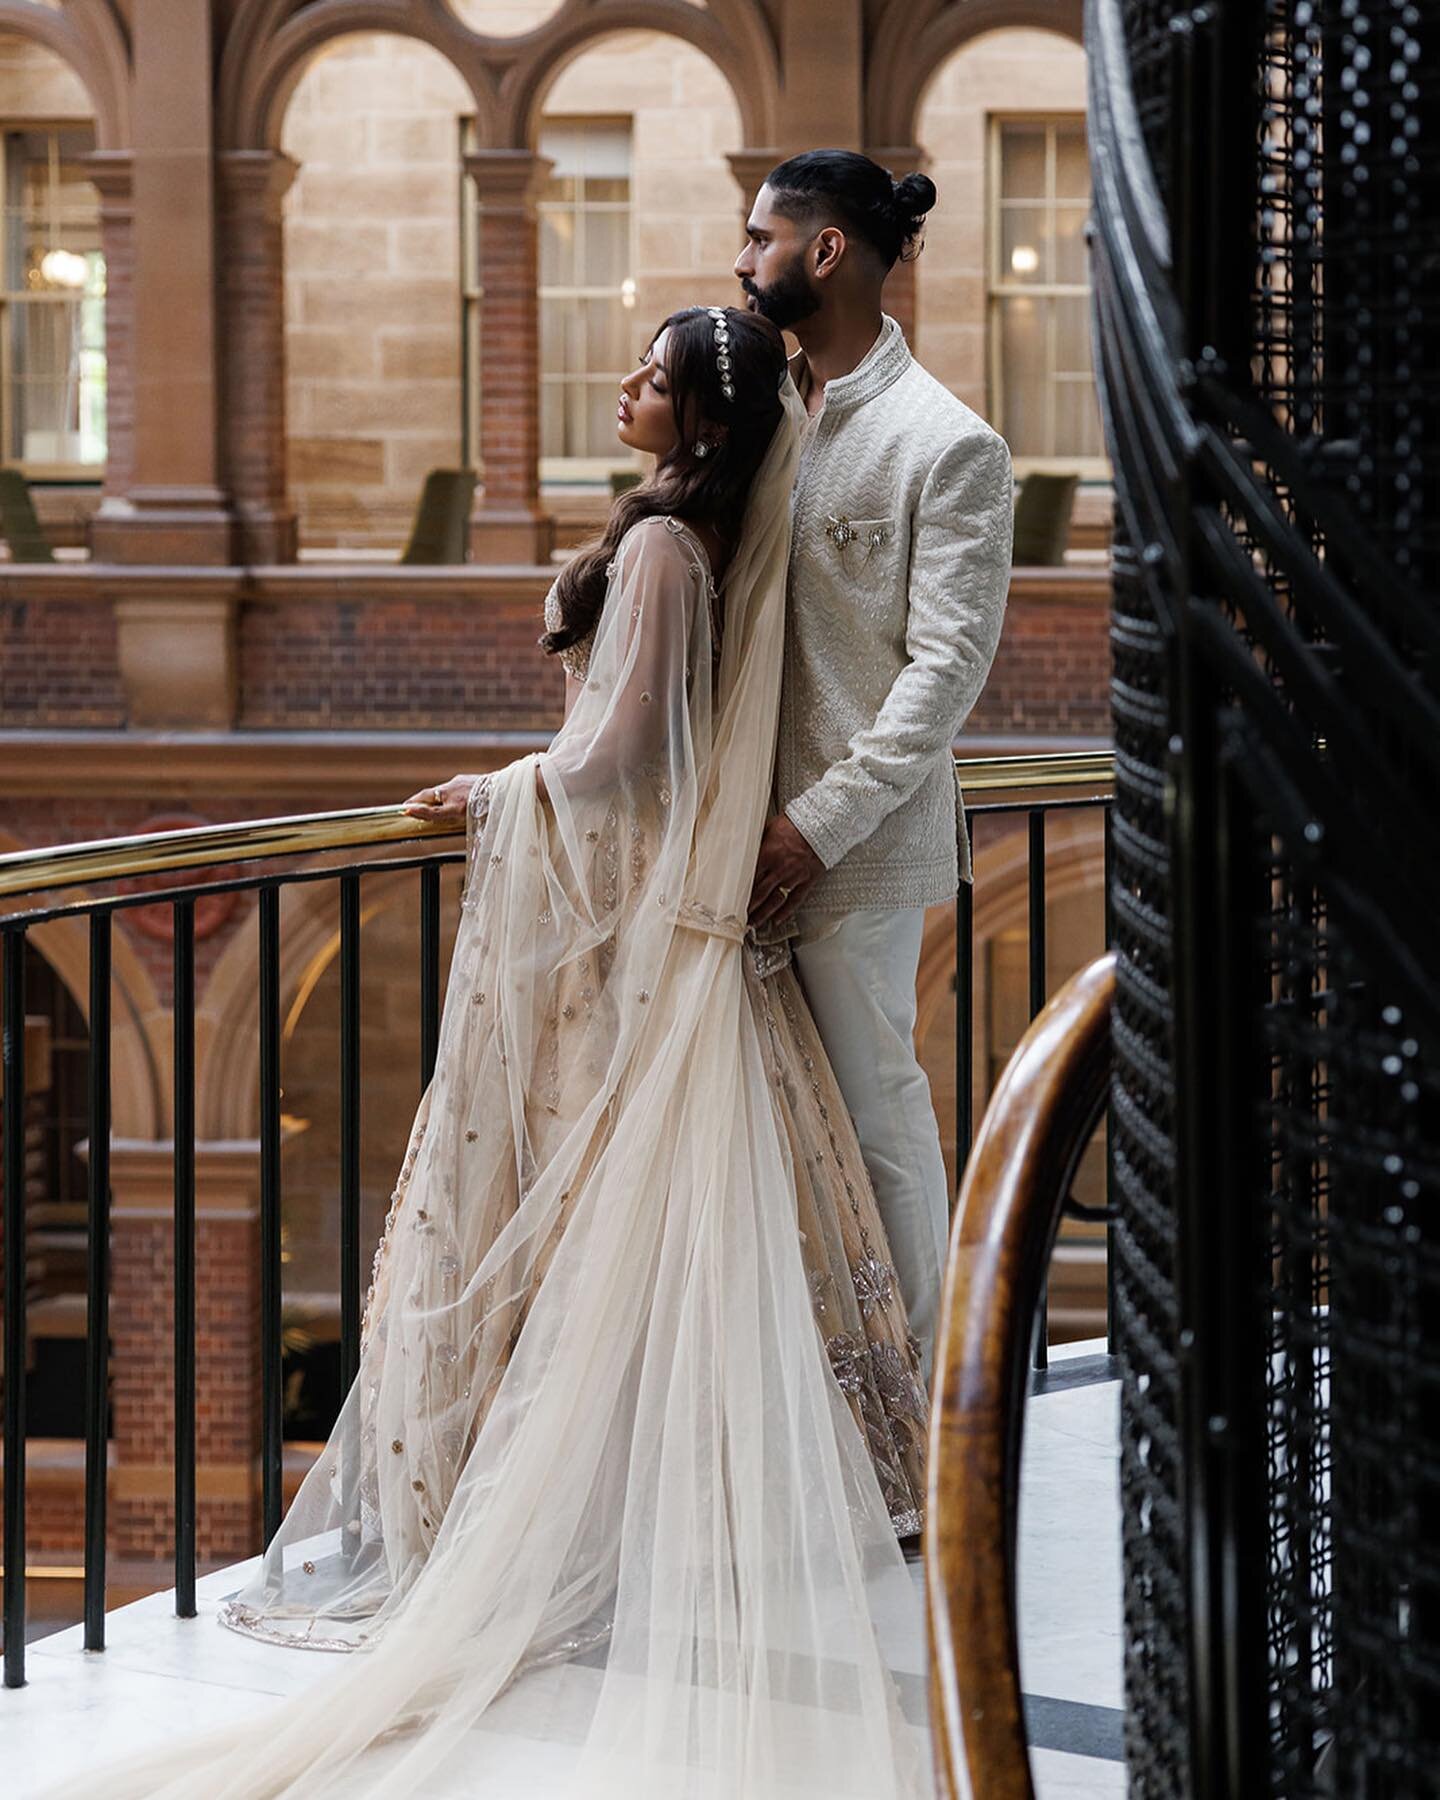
[613, 1501]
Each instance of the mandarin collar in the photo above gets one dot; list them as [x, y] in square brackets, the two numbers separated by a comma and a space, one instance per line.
[883, 363]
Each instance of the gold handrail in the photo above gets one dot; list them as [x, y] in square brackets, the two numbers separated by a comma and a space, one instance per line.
[247, 840]
[1092, 769]
[365, 827]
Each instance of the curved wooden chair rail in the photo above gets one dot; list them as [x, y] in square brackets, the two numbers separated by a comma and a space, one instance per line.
[1039, 1120]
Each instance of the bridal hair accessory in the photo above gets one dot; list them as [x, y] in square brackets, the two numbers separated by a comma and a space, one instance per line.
[722, 351]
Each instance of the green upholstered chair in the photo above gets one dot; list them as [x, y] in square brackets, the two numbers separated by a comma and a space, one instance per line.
[1042, 519]
[19, 522]
[441, 530]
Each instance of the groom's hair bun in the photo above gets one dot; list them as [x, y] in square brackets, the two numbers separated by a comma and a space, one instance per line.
[844, 188]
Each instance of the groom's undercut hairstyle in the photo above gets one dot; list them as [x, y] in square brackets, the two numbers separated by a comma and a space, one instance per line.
[844, 188]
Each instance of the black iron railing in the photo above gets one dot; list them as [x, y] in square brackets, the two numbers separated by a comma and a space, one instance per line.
[1033, 786]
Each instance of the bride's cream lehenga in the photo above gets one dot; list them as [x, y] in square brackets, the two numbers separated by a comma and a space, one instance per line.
[604, 1508]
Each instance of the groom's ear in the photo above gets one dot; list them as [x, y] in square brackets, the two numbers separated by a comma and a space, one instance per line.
[827, 252]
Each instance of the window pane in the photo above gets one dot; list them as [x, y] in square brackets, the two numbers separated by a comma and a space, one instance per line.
[613, 190]
[1072, 334]
[49, 397]
[1072, 257]
[593, 148]
[601, 438]
[606, 260]
[1077, 420]
[1025, 374]
[1024, 245]
[1072, 165]
[1022, 162]
[607, 337]
[559, 335]
[557, 248]
[552, 419]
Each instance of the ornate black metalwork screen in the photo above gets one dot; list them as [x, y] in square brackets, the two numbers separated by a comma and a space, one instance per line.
[1267, 182]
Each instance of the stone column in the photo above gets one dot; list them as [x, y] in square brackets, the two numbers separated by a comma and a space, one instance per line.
[899, 294]
[252, 185]
[112, 174]
[177, 511]
[227, 1371]
[508, 524]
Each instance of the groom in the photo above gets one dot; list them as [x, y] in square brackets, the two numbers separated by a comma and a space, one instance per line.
[898, 578]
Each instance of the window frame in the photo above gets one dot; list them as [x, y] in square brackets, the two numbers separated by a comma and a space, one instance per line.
[554, 471]
[577, 470]
[50, 473]
[998, 290]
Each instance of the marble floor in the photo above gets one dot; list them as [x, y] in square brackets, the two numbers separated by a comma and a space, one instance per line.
[159, 1672]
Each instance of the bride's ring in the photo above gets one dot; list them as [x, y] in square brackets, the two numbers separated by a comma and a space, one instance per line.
[436, 797]
[784, 893]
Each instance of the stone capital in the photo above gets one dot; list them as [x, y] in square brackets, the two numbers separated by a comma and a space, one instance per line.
[507, 180]
[254, 179]
[142, 1178]
[750, 167]
[113, 174]
[901, 159]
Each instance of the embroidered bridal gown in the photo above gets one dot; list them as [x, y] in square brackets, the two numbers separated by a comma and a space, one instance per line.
[637, 1417]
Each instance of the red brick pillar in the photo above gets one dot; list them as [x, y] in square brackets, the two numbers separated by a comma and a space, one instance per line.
[227, 1373]
[252, 185]
[111, 173]
[899, 296]
[508, 524]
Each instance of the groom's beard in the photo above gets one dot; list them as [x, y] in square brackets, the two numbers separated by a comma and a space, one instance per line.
[788, 299]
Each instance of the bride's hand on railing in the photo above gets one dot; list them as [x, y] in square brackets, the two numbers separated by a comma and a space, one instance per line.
[442, 805]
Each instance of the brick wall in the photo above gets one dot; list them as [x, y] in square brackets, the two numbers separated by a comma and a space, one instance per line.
[422, 665]
[58, 664]
[1052, 670]
[142, 1519]
[452, 663]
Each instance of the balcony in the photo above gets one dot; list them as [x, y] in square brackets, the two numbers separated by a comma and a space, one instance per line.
[184, 1452]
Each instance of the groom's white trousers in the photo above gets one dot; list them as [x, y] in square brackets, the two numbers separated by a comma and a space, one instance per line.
[860, 983]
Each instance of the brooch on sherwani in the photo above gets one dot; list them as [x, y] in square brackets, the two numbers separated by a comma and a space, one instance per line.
[843, 532]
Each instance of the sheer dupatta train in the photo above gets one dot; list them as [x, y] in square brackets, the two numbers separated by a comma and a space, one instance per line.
[595, 1491]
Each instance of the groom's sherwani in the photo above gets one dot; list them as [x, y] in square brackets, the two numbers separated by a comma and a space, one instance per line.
[898, 578]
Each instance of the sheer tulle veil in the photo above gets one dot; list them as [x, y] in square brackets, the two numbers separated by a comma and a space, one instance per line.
[595, 1513]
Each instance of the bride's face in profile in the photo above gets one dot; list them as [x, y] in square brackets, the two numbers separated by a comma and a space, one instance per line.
[646, 412]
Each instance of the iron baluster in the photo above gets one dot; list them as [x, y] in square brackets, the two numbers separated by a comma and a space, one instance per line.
[271, 1366]
[349, 1129]
[15, 1321]
[97, 1298]
[183, 915]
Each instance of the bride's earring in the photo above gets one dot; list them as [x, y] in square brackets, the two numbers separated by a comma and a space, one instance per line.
[701, 447]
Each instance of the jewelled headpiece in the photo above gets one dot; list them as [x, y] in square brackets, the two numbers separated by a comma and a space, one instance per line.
[722, 350]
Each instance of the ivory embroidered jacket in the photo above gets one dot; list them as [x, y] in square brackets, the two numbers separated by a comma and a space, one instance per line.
[899, 571]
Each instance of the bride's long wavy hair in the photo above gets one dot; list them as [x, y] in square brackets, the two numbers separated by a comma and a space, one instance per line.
[703, 490]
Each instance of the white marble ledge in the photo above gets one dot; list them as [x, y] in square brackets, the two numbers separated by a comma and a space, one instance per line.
[160, 1674]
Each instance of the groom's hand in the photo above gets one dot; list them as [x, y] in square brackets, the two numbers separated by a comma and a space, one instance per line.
[788, 868]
